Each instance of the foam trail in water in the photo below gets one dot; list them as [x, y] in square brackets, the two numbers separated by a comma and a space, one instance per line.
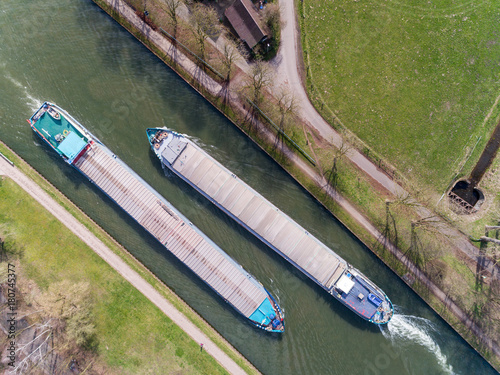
[32, 102]
[405, 330]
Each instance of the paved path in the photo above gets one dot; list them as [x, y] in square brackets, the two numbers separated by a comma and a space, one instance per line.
[286, 66]
[118, 264]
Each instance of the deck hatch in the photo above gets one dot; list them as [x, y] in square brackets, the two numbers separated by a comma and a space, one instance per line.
[345, 284]
[173, 150]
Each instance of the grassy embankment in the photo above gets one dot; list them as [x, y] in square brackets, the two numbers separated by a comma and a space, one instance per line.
[395, 220]
[133, 335]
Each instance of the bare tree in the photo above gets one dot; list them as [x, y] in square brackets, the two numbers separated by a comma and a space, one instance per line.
[231, 54]
[171, 8]
[416, 251]
[287, 104]
[332, 175]
[260, 77]
[390, 231]
[204, 24]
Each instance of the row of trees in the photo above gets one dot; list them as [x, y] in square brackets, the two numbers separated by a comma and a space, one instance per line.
[53, 325]
[203, 24]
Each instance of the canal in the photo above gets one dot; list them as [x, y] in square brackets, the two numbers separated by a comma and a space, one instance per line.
[72, 53]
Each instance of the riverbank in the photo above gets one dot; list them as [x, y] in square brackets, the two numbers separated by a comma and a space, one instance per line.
[173, 330]
[309, 177]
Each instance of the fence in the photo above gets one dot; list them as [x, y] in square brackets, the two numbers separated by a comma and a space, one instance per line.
[7, 159]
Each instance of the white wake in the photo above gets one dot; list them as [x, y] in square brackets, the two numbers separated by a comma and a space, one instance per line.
[32, 102]
[406, 330]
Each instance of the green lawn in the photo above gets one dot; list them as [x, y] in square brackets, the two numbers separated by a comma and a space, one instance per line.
[414, 80]
[133, 335]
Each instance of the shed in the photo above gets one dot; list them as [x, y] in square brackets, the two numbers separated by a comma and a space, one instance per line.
[245, 21]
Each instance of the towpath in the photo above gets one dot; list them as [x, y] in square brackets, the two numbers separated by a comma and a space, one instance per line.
[119, 265]
[165, 46]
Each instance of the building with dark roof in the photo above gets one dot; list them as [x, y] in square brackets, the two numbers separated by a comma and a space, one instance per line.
[245, 21]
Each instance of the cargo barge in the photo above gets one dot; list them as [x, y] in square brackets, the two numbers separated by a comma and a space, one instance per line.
[273, 227]
[82, 150]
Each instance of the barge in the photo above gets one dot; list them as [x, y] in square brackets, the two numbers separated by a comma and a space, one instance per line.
[82, 150]
[250, 209]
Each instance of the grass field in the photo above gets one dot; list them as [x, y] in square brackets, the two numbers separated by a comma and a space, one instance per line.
[133, 336]
[414, 80]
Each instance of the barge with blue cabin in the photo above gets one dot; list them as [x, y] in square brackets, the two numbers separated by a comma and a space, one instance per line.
[82, 150]
[250, 209]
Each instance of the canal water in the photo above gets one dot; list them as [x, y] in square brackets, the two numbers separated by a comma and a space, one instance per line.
[72, 53]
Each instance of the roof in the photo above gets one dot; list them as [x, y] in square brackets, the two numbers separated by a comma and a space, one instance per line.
[72, 145]
[245, 21]
[345, 284]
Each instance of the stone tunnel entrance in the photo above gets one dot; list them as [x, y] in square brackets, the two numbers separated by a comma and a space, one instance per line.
[466, 198]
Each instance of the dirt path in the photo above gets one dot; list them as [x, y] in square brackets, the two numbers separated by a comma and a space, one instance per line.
[119, 265]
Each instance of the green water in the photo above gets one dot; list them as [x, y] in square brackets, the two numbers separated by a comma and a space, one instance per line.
[71, 53]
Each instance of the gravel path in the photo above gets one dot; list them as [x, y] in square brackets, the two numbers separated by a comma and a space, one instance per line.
[119, 265]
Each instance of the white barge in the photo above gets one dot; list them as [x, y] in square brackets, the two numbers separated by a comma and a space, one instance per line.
[270, 225]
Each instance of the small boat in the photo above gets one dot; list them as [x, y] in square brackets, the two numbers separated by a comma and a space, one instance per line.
[273, 227]
[53, 113]
[83, 151]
